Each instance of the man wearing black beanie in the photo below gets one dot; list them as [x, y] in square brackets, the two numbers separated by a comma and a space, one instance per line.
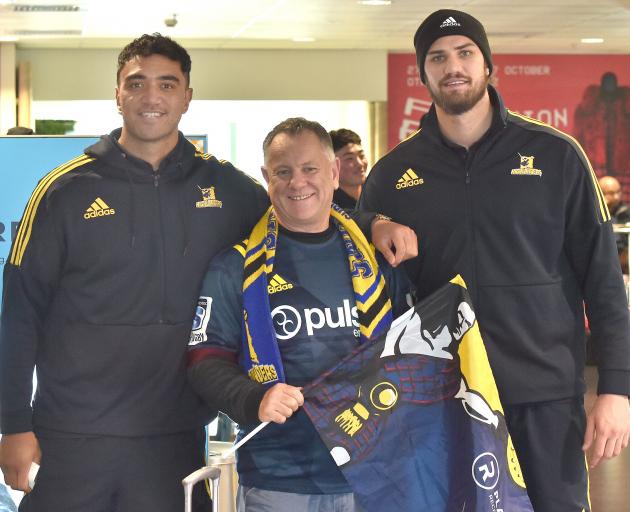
[513, 206]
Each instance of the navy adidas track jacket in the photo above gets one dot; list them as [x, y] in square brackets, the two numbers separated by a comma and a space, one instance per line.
[520, 216]
[101, 286]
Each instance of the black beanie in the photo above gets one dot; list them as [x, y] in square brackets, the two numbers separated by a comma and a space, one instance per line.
[448, 22]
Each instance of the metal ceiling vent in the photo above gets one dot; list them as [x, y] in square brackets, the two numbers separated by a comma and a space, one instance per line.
[45, 8]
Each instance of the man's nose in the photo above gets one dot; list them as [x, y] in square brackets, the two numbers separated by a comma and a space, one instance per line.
[152, 93]
[298, 178]
[452, 66]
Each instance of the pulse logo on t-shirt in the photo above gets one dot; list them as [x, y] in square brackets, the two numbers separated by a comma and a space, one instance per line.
[288, 321]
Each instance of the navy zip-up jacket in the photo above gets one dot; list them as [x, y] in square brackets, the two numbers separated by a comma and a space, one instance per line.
[520, 216]
[101, 286]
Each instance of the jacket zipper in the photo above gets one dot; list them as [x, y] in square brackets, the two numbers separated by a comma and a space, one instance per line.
[469, 206]
[156, 185]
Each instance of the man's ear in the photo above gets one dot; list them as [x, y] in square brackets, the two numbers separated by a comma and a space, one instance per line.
[189, 94]
[336, 165]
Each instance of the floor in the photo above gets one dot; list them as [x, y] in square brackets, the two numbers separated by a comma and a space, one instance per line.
[610, 481]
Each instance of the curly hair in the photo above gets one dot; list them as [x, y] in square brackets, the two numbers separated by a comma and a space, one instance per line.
[155, 44]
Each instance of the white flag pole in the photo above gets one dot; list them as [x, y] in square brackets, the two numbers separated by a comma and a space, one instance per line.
[244, 440]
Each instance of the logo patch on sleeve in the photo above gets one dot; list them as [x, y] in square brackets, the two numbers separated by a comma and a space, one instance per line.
[200, 322]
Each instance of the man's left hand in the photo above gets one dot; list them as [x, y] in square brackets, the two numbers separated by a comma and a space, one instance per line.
[395, 241]
[607, 428]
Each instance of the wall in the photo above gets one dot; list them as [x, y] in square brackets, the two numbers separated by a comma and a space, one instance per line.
[71, 74]
[7, 86]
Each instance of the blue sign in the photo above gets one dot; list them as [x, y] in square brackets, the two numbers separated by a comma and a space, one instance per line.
[23, 162]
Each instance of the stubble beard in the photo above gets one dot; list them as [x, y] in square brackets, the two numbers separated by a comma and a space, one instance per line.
[459, 103]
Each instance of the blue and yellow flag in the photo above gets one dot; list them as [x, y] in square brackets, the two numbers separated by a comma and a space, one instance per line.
[414, 420]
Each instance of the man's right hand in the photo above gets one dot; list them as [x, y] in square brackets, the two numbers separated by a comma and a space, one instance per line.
[280, 402]
[17, 453]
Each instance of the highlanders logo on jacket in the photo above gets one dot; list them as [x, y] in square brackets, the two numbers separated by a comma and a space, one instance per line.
[98, 208]
[527, 167]
[200, 322]
[209, 199]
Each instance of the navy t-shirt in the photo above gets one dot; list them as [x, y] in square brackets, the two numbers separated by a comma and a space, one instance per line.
[315, 319]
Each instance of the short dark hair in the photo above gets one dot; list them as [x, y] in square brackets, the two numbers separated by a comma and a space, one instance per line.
[294, 126]
[343, 136]
[155, 44]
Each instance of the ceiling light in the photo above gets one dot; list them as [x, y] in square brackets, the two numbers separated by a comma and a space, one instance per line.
[592, 40]
[171, 22]
[375, 2]
[45, 8]
[305, 39]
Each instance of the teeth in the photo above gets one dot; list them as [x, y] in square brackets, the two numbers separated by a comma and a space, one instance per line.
[300, 198]
[151, 114]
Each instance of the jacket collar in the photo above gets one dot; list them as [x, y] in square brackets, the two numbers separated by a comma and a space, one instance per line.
[430, 127]
[113, 154]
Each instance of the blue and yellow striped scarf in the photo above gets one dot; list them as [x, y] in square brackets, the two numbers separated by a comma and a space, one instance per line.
[260, 355]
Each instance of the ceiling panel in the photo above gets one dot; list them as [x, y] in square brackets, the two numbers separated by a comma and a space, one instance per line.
[550, 26]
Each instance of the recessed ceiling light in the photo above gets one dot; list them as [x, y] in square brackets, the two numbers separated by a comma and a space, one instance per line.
[592, 40]
[375, 2]
[304, 39]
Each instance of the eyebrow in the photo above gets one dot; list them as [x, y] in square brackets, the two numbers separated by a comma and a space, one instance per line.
[460, 47]
[311, 163]
[163, 78]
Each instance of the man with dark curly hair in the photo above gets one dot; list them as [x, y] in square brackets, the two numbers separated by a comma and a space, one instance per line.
[99, 295]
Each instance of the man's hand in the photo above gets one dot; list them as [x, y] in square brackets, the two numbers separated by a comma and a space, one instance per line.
[17, 452]
[280, 402]
[607, 428]
[395, 241]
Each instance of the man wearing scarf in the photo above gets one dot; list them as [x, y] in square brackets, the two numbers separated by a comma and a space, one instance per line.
[302, 292]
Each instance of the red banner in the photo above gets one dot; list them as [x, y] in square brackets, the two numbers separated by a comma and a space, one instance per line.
[570, 92]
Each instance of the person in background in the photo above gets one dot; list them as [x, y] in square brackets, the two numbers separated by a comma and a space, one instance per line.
[611, 189]
[352, 167]
[513, 206]
[620, 214]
